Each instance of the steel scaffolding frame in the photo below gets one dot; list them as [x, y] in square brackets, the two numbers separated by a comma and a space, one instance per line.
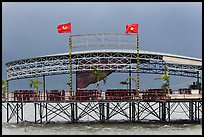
[117, 62]
[117, 59]
[104, 111]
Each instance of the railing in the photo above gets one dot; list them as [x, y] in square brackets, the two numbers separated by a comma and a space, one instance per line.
[55, 95]
[88, 95]
[111, 94]
[25, 95]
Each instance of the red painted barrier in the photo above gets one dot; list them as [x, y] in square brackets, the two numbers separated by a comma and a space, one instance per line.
[25, 95]
[55, 95]
[88, 95]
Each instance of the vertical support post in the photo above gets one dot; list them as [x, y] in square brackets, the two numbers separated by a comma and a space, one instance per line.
[35, 113]
[168, 80]
[46, 111]
[198, 111]
[191, 110]
[198, 76]
[169, 114]
[100, 117]
[159, 110]
[76, 83]
[195, 110]
[107, 111]
[102, 112]
[164, 111]
[130, 80]
[36, 79]
[7, 115]
[138, 67]
[130, 111]
[44, 86]
[21, 111]
[133, 111]
[130, 92]
[72, 112]
[7, 89]
[17, 113]
[70, 65]
[76, 112]
[138, 111]
[40, 113]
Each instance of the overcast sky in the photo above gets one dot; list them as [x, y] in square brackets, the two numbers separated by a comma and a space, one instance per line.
[29, 29]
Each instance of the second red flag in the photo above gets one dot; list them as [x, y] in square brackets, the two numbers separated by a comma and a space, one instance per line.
[132, 28]
[64, 28]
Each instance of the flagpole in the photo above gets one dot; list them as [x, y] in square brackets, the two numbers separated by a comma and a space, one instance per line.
[7, 89]
[70, 65]
[138, 66]
[168, 80]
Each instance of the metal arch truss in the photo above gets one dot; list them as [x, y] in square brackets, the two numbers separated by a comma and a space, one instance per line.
[114, 61]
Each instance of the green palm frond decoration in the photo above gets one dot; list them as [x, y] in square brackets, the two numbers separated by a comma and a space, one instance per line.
[4, 86]
[165, 78]
[35, 83]
[126, 81]
[131, 78]
[98, 75]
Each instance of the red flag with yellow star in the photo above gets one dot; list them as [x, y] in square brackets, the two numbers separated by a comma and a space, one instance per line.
[64, 28]
[132, 28]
